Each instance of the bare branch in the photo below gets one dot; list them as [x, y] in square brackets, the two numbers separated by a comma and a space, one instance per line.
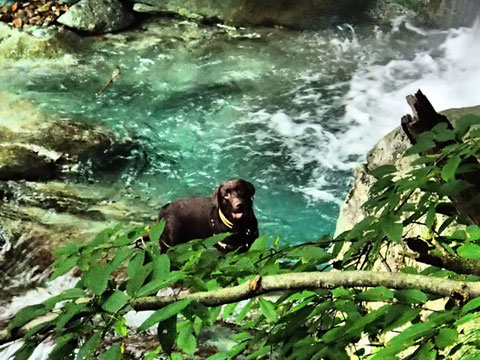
[296, 281]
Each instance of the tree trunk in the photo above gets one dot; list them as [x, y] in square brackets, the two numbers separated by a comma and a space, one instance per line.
[424, 119]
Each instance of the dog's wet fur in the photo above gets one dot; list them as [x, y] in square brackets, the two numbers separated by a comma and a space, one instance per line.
[200, 217]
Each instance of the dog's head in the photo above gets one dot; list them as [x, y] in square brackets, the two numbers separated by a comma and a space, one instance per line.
[234, 198]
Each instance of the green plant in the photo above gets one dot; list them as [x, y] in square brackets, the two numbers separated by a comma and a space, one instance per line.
[315, 313]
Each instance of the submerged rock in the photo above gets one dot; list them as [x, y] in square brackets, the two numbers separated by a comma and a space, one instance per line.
[297, 14]
[97, 16]
[36, 147]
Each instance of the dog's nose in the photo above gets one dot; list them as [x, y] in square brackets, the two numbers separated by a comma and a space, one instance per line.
[238, 206]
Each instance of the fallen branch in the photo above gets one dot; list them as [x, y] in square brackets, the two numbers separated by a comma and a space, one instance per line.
[448, 262]
[112, 79]
[296, 281]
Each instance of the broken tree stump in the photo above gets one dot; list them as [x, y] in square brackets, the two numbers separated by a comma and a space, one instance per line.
[467, 202]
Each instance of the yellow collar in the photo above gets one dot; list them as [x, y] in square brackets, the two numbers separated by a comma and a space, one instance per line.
[227, 222]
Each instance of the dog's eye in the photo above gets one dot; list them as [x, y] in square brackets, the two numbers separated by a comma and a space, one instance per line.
[226, 196]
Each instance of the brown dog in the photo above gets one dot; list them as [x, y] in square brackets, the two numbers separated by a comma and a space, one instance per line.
[229, 209]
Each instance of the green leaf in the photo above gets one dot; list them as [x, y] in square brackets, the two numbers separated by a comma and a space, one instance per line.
[115, 302]
[68, 294]
[420, 147]
[215, 239]
[156, 230]
[64, 348]
[431, 215]
[311, 253]
[469, 251]
[68, 249]
[391, 229]
[473, 232]
[450, 168]
[160, 283]
[260, 243]
[341, 293]
[121, 256]
[383, 170]
[453, 187]
[161, 265]
[26, 314]
[379, 293]
[398, 316]
[471, 305]
[114, 353]
[413, 296]
[228, 310]
[135, 264]
[68, 312]
[96, 279]
[427, 352]
[136, 282]
[88, 349]
[464, 123]
[268, 310]
[186, 341]
[164, 313]
[241, 315]
[25, 351]
[167, 333]
[121, 326]
[218, 356]
[64, 267]
[446, 338]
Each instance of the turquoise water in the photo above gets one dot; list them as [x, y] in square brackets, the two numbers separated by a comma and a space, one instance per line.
[292, 112]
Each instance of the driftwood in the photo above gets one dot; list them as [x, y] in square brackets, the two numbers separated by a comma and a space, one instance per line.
[424, 119]
[109, 82]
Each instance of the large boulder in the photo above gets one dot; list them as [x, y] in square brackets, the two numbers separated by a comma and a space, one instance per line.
[438, 13]
[37, 147]
[296, 14]
[97, 16]
[388, 151]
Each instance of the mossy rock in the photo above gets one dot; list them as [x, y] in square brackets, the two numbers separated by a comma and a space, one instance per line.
[35, 43]
[24, 162]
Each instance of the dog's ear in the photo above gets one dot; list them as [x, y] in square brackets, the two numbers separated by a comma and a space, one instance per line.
[250, 188]
[215, 195]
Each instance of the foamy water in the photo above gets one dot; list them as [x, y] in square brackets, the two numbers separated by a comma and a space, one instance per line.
[448, 74]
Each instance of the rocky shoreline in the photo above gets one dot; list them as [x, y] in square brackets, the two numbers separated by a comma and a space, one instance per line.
[105, 16]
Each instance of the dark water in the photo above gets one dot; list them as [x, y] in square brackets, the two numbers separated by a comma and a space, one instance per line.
[292, 112]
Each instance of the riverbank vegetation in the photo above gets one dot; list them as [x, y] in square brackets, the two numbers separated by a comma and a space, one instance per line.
[321, 300]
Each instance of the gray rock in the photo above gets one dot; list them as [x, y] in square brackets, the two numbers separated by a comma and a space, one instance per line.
[26, 162]
[388, 151]
[296, 14]
[35, 146]
[439, 13]
[97, 16]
